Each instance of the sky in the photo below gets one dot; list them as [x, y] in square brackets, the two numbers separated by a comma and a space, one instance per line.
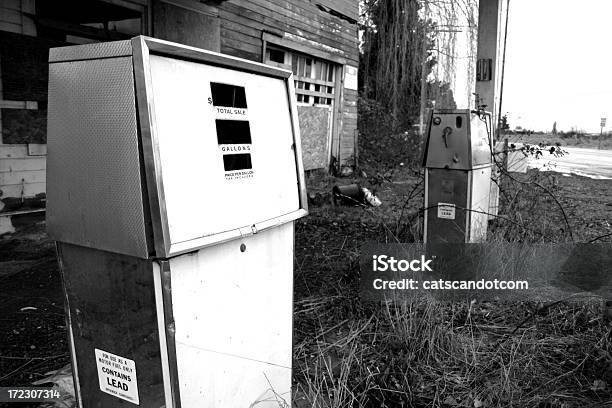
[559, 64]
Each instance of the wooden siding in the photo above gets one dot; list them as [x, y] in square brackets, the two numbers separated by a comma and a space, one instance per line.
[243, 21]
[346, 148]
[22, 174]
[348, 8]
[186, 22]
[304, 23]
[12, 18]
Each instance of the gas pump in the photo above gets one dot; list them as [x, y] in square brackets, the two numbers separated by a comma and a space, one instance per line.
[458, 165]
[174, 179]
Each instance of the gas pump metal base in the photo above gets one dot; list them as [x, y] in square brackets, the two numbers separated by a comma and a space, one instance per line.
[197, 332]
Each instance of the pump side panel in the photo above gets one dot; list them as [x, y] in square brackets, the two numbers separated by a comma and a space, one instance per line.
[449, 187]
[112, 307]
[94, 185]
[481, 141]
[480, 197]
[233, 318]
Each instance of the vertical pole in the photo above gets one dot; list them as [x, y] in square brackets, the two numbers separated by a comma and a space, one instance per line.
[503, 71]
[490, 43]
[490, 32]
[423, 74]
[600, 136]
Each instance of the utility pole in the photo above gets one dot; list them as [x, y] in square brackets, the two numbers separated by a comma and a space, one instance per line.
[503, 70]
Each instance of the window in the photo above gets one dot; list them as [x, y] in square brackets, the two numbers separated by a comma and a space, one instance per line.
[277, 56]
[314, 78]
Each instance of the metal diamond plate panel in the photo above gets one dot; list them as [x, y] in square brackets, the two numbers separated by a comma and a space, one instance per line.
[94, 190]
[91, 51]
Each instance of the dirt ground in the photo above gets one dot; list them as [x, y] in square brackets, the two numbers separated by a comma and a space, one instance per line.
[32, 325]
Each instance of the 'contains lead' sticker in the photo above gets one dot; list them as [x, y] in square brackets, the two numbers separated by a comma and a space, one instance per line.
[117, 376]
[446, 211]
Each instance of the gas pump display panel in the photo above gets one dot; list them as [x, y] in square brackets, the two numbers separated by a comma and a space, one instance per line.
[230, 128]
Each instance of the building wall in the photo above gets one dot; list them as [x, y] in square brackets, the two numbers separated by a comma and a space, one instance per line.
[23, 104]
[12, 18]
[242, 28]
[325, 27]
[22, 156]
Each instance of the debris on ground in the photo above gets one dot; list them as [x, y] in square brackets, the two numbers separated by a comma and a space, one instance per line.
[354, 195]
[63, 381]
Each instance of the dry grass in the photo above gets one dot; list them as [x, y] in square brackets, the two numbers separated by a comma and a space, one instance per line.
[434, 354]
[428, 353]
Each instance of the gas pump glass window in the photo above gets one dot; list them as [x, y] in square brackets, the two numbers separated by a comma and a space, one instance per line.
[226, 95]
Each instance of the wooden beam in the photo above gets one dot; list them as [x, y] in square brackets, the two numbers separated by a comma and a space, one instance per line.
[31, 105]
[314, 81]
[313, 93]
[194, 6]
[310, 49]
[78, 29]
[20, 212]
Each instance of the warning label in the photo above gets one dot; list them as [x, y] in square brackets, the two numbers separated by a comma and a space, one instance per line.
[446, 211]
[117, 376]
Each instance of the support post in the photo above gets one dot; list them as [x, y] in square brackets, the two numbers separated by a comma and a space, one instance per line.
[491, 28]
[491, 43]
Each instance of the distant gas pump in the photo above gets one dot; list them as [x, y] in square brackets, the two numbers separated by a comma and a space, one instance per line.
[458, 164]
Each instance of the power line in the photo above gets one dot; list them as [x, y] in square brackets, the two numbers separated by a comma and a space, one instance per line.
[501, 86]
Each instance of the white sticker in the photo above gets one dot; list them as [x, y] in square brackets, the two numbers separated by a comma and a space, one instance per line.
[350, 78]
[446, 211]
[117, 376]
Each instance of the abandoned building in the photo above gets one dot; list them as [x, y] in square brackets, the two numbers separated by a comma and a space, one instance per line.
[316, 39]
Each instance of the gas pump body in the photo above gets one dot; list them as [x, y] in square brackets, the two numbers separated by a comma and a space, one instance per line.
[457, 161]
[174, 178]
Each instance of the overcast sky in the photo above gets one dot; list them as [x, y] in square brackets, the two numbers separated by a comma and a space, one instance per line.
[559, 64]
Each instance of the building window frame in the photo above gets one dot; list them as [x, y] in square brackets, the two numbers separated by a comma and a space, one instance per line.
[275, 41]
[314, 78]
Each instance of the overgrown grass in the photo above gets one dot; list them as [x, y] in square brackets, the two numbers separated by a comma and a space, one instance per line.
[428, 353]
[550, 350]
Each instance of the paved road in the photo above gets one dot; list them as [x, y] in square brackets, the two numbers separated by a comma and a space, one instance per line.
[591, 163]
